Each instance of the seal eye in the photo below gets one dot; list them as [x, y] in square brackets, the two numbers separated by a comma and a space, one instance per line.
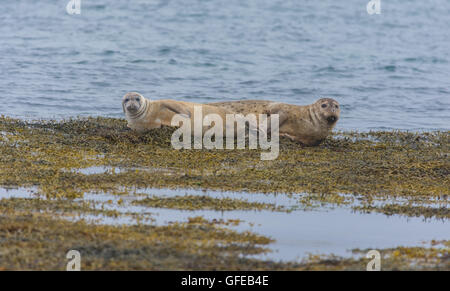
[324, 105]
[126, 100]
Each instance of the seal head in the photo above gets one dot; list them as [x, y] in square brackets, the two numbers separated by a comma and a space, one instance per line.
[328, 109]
[134, 105]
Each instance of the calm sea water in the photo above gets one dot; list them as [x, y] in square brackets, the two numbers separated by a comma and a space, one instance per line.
[388, 71]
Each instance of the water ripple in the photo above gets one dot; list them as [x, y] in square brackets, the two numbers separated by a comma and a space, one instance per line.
[387, 72]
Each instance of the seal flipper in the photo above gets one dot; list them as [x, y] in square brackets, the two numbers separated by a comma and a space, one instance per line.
[276, 108]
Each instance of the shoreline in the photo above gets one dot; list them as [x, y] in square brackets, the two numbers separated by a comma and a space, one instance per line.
[119, 116]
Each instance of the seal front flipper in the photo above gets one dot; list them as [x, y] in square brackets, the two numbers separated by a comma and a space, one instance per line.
[276, 108]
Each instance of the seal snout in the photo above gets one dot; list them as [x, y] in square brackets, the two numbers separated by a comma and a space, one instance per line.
[132, 107]
[332, 119]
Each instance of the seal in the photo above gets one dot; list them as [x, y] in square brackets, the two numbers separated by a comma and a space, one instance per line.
[143, 114]
[308, 125]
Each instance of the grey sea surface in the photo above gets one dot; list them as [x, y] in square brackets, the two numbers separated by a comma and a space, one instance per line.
[389, 71]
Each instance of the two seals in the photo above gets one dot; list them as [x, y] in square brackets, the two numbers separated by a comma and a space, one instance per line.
[309, 124]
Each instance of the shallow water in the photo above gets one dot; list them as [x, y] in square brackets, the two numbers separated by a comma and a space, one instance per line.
[387, 71]
[322, 230]
[21, 192]
[115, 170]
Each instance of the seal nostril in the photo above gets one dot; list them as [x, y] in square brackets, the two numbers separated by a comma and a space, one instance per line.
[331, 119]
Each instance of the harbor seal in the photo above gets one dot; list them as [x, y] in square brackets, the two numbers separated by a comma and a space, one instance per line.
[143, 114]
[308, 125]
